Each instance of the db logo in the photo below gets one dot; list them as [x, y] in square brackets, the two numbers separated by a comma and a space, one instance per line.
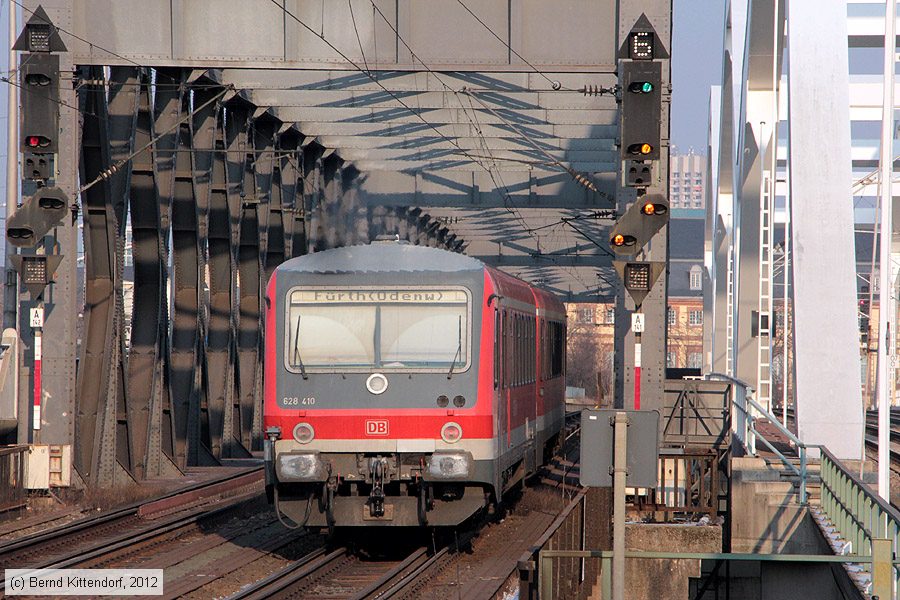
[379, 427]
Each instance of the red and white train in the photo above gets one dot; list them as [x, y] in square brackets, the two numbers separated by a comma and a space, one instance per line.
[406, 385]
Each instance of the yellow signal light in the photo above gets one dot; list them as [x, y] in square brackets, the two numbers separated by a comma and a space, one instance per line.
[646, 148]
[649, 209]
[618, 240]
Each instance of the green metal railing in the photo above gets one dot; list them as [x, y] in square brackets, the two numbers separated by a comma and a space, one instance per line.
[743, 426]
[858, 514]
[879, 564]
[800, 472]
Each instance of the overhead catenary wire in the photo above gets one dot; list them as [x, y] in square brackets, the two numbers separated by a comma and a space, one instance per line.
[9, 81]
[465, 153]
[556, 85]
[579, 177]
[374, 79]
[358, 39]
[107, 173]
[507, 200]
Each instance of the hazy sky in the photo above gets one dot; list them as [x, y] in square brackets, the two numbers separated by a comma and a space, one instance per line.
[697, 32]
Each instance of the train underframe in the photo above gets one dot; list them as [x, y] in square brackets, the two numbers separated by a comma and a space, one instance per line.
[358, 490]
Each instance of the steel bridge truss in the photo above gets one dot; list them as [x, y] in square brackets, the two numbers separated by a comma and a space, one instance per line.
[218, 138]
[215, 203]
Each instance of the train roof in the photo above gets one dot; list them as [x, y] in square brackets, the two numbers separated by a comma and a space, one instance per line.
[382, 257]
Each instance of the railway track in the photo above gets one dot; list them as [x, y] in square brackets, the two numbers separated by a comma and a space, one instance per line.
[871, 436]
[487, 553]
[340, 574]
[173, 531]
[102, 538]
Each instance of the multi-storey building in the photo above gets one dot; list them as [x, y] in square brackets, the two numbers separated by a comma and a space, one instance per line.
[687, 180]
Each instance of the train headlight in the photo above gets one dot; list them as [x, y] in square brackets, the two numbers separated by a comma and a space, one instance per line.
[451, 432]
[456, 465]
[304, 433]
[459, 401]
[300, 467]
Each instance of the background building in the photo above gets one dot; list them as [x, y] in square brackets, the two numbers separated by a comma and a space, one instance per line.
[591, 326]
[687, 180]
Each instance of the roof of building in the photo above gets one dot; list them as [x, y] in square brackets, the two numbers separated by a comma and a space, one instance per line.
[686, 238]
[680, 278]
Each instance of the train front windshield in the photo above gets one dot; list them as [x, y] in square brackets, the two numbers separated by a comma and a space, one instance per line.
[377, 329]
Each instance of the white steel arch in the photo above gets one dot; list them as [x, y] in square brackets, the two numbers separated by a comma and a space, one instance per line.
[802, 43]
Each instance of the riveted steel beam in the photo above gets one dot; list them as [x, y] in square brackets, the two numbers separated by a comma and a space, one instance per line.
[289, 176]
[312, 191]
[149, 414]
[237, 424]
[102, 440]
[184, 330]
[220, 367]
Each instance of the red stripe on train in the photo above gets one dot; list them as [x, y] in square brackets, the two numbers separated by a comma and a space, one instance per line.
[354, 426]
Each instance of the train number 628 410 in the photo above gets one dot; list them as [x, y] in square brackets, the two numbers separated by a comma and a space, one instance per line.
[295, 401]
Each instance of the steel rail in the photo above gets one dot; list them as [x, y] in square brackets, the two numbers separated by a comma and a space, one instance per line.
[292, 574]
[128, 538]
[404, 582]
[56, 536]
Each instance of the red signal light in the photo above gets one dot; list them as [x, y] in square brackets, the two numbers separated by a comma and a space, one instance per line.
[36, 141]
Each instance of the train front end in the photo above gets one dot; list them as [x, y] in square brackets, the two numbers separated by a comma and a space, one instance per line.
[377, 408]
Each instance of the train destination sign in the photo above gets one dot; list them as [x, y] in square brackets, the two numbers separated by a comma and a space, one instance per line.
[390, 296]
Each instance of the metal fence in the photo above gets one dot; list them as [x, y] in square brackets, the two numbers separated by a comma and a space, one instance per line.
[858, 514]
[570, 578]
[549, 559]
[12, 477]
[689, 484]
[696, 413]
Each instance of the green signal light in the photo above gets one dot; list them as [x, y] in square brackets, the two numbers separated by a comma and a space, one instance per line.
[641, 87]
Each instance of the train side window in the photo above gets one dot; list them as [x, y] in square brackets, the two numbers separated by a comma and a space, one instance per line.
[497, 353]
[544, 350]
[517, 353]
[528, 367]
[507, 350]
[521, 359]
[556, 366]
[532, 350]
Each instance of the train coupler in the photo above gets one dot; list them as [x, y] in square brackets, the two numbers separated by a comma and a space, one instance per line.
[377, 467]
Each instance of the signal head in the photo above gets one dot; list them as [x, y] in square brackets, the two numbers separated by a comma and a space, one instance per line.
[642, 149]
[651, 208]
[640, 87]
[620, 241]
[37, 141]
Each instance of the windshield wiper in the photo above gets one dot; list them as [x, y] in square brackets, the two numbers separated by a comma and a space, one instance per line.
[458, 350]
[296, 359]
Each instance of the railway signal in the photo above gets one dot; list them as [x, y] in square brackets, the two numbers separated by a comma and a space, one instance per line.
[641, 110]
[36, 217]
[39, 81]
[35, 271]
[639, 224]
[863, 316]
[639, 277]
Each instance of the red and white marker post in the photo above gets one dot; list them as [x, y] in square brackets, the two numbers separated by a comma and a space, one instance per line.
[637, 326]
[37, 324]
